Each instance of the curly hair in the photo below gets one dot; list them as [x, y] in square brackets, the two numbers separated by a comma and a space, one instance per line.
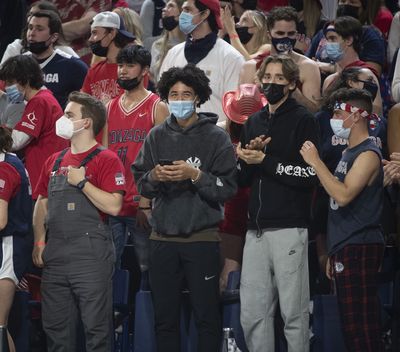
[23, 69]
[189, 75]
[281, 13]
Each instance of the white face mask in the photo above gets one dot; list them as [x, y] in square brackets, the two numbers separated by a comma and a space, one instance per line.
[65, 128]
[338, 129]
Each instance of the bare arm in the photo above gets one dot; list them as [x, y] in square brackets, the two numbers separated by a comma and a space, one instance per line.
[77, 28]
[104, 140]
[364, 170]
[248, 72]
[3, 214]
[310, 93]
[161, 113]
[39, 231]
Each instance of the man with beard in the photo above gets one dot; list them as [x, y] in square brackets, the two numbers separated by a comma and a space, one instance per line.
[63, 73]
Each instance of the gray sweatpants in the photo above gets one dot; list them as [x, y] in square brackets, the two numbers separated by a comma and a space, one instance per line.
[275, 267]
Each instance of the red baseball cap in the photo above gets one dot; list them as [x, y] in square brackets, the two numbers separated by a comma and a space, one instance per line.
[214, 7]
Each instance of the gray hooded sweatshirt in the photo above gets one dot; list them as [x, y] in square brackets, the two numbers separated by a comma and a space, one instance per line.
[181, 208]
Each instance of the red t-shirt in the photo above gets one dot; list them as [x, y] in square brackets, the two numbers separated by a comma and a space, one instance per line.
[38, 121]
[127, 130]
[74, 10]
[10, 180]
[104, 171]
[101, 82]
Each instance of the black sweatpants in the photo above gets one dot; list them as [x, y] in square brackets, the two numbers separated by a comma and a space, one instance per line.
[198, 263]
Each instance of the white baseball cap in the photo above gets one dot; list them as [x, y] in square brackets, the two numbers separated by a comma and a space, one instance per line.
[108, 19]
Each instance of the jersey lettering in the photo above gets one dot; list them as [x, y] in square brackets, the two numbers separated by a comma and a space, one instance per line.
[128, 135]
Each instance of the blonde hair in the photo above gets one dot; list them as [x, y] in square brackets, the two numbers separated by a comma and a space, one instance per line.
[261, 36]
[132, 22]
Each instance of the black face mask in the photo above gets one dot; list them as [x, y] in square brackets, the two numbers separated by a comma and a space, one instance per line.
[128, 84]
[347, 10]
[283, 45]
[98, 49]
[370, 87]
[274, 92]
[37, 47]
[296, 4]
[244, 35]
[169, 23]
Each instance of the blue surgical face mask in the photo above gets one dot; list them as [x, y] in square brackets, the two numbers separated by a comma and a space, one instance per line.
[14, 95]
[182, 109]
[334, 51]
[185, 22]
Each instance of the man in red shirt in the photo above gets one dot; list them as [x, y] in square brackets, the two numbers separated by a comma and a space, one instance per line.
[130, 118]
[35, 134]
[107, 39]
[77, 188]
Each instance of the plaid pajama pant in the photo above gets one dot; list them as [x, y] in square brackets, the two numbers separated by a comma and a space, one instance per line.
[355, 269]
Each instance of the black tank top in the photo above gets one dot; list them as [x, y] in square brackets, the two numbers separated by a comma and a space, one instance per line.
[359, 221]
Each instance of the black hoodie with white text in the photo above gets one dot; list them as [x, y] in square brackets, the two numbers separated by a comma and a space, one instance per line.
[282, 185]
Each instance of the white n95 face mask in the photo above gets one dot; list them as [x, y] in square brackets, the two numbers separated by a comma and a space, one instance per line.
[65, 128]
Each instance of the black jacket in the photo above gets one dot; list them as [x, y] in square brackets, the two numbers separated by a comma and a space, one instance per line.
[281, 186]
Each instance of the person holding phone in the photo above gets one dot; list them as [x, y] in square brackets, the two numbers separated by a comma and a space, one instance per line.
[187, 167]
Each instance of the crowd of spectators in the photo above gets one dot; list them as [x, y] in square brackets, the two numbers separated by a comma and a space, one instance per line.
[213, 136]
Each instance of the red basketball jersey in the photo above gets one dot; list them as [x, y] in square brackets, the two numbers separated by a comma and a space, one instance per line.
[127, 131]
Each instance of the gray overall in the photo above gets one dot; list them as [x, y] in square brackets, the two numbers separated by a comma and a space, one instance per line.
[78, 268]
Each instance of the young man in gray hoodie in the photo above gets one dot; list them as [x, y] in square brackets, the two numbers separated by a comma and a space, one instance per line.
[187, 166]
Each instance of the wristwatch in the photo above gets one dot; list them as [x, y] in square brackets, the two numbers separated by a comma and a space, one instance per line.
[82, 184]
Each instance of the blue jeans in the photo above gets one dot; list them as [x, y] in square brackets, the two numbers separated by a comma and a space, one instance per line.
[122, 227]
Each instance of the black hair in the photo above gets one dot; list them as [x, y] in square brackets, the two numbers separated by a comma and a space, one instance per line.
[359, 98]
[212, 22]
[347, 27]
[348, 74]
[133, 54]
[23, 69]
[90, 108]
[189, 75]
[6, 140]
[282, 13]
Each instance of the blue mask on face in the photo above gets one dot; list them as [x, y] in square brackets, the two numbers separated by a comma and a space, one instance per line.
[181, 109]
[185, 22]
[14, 95]
[334, 51]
